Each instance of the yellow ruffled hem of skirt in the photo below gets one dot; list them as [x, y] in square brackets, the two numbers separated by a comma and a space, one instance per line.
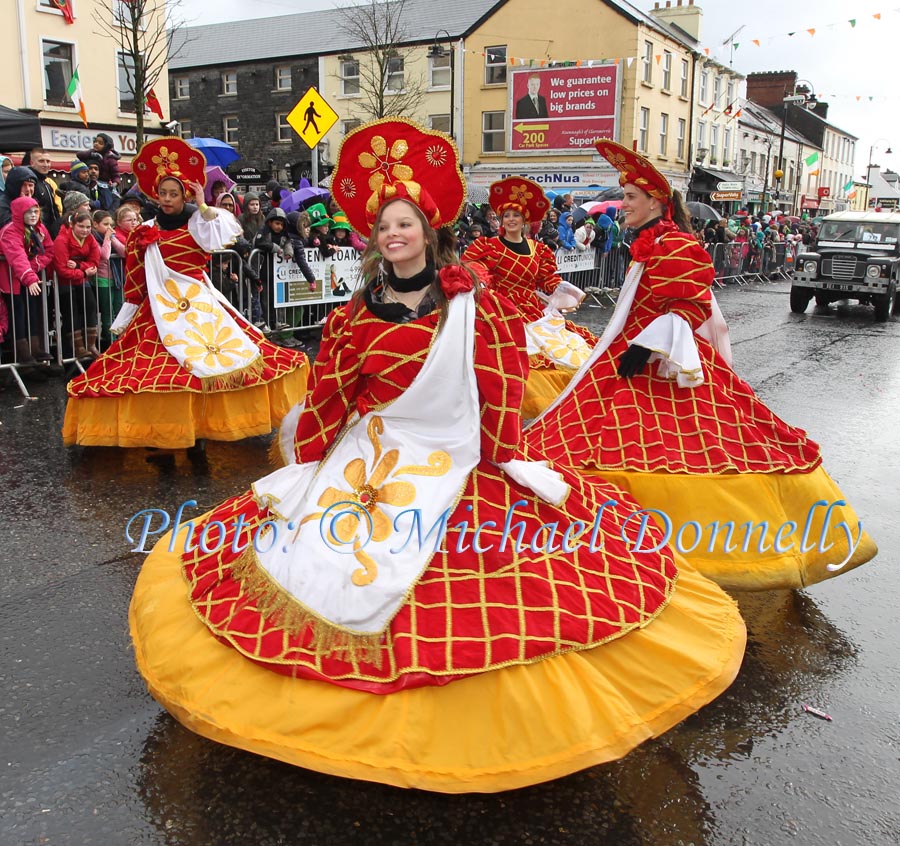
[496, 731]
[757, 498]
[543, 386]
[178, 419]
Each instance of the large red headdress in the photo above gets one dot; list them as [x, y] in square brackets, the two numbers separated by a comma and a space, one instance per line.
[167, 157]
[634, 168]
[520, 194]
[394, 158]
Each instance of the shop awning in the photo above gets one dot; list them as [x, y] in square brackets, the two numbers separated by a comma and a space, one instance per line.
[719, 175]
[18, 131]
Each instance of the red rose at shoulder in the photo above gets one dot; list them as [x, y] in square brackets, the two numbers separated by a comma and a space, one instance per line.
[455, 280]
[144, 236]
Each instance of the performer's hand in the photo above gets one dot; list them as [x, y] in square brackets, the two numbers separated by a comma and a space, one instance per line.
[197, 192]
[633, 360]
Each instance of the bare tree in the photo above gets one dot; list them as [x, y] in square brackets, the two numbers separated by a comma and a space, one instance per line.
[385, 85]
[144, 31]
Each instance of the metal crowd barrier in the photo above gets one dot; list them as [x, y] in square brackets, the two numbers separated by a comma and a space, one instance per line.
[742, 262]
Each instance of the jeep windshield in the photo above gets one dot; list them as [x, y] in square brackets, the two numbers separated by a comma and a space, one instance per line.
[851, 232]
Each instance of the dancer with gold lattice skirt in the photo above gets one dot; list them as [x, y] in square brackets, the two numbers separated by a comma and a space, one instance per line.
[187, 366]
[658, 410]
[524, 270]
[316, 625]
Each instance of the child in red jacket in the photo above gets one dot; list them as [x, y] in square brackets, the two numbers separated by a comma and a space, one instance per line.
[26, 249]
[76, 256]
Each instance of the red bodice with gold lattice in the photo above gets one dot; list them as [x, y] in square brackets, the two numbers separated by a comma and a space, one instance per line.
[138, 361]
[647, 423]
[517, 277]
[470, 611]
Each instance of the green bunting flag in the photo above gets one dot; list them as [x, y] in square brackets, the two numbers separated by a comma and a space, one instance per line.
[811, 159]
[848, 186]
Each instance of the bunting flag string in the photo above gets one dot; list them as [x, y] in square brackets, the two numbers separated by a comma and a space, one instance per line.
[877, 16]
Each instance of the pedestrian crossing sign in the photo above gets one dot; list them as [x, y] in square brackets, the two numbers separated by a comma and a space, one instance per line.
[312, 117]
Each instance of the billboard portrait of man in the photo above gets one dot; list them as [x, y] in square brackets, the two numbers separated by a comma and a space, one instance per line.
[532, 105]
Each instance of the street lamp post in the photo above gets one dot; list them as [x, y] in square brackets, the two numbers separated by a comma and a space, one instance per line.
[808, 99]
[887, 151]
[437, 51]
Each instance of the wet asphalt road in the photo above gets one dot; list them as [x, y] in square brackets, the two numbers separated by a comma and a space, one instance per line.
[89, 758]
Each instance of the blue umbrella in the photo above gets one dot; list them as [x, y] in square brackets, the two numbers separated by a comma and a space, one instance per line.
[216, 152]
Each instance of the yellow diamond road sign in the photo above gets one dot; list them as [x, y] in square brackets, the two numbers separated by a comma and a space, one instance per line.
[312, 117]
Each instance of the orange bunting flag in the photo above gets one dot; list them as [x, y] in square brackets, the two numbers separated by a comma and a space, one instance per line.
[858, 98]
[811, 31]
[814, 172]
[578, 63]
[756, 41]
[658, 58]
[706, 50]
[877, 16]
[738, 113]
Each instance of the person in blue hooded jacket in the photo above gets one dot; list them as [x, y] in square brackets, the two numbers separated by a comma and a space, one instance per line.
[566, 232]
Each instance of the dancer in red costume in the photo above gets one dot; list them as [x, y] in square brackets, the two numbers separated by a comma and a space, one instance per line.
[186, 366]
[524, 270]
[304, 619]
[658, 410]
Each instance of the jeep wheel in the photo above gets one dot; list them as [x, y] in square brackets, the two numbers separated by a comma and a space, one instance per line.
[884, 305]
[800, 298]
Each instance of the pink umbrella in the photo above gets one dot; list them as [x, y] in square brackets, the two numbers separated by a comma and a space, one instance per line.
[216, 174]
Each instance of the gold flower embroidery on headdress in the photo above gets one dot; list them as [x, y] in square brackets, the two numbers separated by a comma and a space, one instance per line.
[386, 166]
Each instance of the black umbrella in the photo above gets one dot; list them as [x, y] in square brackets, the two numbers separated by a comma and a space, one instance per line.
[703, 211]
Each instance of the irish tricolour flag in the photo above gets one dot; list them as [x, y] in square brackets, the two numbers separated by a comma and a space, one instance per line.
[74, 94]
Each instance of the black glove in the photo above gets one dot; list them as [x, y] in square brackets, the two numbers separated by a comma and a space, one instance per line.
[633, 360]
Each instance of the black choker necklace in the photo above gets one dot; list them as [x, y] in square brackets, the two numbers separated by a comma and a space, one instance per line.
[417, 282]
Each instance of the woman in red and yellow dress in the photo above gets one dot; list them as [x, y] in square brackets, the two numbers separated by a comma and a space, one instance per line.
[186, 366]
[520, 268]
[359, 612]
[742, 494]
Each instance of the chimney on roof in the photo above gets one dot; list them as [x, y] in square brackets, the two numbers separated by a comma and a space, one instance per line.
[686, 16]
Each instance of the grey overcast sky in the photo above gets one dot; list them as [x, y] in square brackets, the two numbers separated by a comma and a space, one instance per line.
[842, 62]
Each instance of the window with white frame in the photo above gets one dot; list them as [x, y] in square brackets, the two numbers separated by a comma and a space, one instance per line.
[439, 122]
[59, 65]
[753, 162]
[283, 130]
[663, 133]
[125, 82]
[230, 129]
[680, 140]
[349, 125]
[685, 76]
[726, 149]
[439, 70]
[717, 91]
[647, 62]
[283, 78]
[394, 81]
[730, 92]
[704, 88]
[229, 82]
[493, 132]
[187, 129]
[122, 11]
[349, 77]
[181, 87]
[701, 135]
[667, 70]
[644, 129]
[495, 66]
[714, 143]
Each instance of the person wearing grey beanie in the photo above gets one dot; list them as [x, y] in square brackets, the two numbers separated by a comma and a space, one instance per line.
[74, 201]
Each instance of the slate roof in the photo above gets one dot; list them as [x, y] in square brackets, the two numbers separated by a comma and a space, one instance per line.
[324, 32]
[316, 33]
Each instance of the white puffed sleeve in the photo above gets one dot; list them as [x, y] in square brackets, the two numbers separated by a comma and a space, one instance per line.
[216, 234]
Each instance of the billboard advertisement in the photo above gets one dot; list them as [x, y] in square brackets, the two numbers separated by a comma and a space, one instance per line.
[336, 279]
[561, 110]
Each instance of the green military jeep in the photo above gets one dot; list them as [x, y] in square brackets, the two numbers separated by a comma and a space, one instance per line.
[856, 256]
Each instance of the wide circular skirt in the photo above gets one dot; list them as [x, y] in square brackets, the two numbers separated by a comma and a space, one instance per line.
[500, 730]
[177, 419]
[798, 525]
[544, 385]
